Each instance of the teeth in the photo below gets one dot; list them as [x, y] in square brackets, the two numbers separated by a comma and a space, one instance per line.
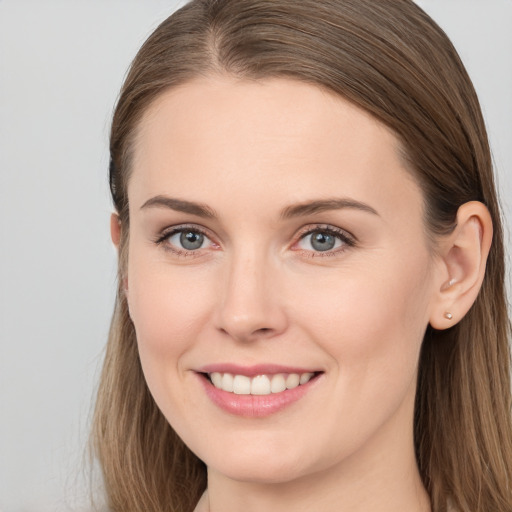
[292, 381]
[241, 385]
[305, 377]
[227, 382]
[278, 383]
[216, 379]
[260, 384]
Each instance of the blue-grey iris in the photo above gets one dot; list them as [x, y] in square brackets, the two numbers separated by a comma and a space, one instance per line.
[191, 240]
[321, 241]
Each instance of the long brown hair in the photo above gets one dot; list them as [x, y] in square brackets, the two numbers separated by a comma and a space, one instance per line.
[390, 59]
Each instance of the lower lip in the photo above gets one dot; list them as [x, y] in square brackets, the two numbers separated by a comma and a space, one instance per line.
[255, 406]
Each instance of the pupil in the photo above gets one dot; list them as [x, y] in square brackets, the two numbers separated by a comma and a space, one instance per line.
[191, 240]
[322, 241]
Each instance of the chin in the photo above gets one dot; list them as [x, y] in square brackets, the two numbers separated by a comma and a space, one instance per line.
[269, 471]
[263, 461]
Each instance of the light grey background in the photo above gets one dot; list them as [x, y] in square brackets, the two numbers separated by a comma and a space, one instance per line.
[61, 66]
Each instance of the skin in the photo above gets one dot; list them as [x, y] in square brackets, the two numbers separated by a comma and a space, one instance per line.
[258, 292]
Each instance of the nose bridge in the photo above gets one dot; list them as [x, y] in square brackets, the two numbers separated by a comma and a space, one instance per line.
[250, 305]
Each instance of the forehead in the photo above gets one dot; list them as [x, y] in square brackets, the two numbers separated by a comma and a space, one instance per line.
[280, 137]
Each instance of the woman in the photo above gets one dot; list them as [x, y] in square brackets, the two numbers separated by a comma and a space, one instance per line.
[311, 309]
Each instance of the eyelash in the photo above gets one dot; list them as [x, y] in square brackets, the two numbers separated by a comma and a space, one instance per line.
[346, 239]
[168, 233]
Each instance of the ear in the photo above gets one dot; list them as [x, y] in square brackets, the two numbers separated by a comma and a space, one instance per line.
[115, 234]
[115, 229]
[463, 256]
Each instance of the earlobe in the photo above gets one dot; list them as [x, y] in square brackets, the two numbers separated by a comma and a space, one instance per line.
[463, 258]
[115, 229]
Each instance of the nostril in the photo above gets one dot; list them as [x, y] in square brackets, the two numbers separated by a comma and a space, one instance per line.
[263, 332]
[248, 333]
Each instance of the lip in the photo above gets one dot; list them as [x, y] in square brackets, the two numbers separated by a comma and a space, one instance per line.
[255, 406]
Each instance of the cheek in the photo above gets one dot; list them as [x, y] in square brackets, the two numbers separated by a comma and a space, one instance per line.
[168, 311]
[371, 323]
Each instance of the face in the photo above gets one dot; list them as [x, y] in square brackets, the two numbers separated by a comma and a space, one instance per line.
[279, 277]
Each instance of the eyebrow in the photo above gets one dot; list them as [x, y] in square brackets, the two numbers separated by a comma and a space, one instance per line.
[296, 210]
[312, 207]
[180, 205]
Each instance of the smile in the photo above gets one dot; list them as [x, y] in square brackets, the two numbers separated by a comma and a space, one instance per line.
[259, 384]
[257, 391]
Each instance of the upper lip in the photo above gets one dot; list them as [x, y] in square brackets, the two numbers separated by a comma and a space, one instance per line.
[253, 370]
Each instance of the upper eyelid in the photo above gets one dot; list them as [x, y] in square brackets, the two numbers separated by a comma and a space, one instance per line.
[171, 230]
[300, 234]
[162, 240]
[307, 230]
[348, 241]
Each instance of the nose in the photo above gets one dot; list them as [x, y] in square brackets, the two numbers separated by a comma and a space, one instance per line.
[251, 303]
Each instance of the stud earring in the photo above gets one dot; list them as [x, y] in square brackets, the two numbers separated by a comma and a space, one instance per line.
[448, 315]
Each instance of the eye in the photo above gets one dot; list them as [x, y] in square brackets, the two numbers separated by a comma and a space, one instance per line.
[325, 240]
[189, 240]
[185, 239]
